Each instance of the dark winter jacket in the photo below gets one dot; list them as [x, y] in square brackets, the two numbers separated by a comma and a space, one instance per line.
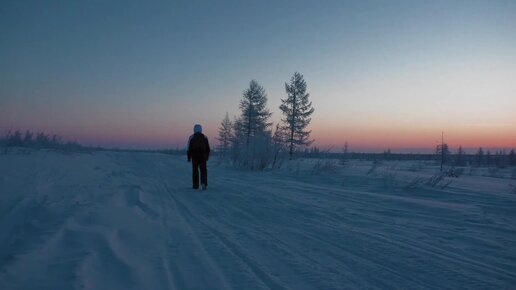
[198, 147]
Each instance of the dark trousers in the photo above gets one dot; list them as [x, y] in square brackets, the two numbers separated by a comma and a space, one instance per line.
[196, 165]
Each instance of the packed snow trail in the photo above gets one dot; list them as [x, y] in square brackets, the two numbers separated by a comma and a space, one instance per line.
[131, 221]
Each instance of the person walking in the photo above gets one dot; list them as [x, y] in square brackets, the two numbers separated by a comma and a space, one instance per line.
[198, 153]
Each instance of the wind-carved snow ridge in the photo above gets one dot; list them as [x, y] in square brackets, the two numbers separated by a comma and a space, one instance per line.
[131, 221]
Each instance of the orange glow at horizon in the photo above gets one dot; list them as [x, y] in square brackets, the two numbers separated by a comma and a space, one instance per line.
[358, 138]
[397, 137]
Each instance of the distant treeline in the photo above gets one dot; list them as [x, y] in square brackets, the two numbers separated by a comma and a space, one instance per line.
[500, 158]
[38, 140]
[41, 140]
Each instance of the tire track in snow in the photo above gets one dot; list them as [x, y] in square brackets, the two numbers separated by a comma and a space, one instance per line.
[223, 256]
[310, 264]
[185, 237]
[266, 279]
[276, 249]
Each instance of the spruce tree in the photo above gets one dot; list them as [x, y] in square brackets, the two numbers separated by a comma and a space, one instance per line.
[225, 134]
[255, 115]
[296, 109]
[442, 151]
[251, 142]
[480, 156]
[460, 157]
[345, 153]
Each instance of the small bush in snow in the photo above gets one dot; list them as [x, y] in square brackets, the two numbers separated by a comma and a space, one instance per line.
[258, 155]
[454, 172]
[325, 166]
[390, 178]
[438, 180]
[417, 182]
[374, 167]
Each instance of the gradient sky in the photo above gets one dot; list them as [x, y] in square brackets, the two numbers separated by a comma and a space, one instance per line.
[381, 74]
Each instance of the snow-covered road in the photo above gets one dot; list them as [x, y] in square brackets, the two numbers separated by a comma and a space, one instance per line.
[131, 221]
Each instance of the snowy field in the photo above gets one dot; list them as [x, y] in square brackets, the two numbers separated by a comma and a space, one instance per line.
[111, 220]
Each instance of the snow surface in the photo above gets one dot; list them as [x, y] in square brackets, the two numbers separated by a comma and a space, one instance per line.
[111, 220]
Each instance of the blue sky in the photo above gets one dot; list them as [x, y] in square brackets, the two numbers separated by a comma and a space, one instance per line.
[382, 74]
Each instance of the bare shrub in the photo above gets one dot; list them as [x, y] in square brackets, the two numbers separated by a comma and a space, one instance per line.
[390, 178]
[325, 166]
[454, 172]
[258, 155]
[438, 180]
[376, 164]
[435, 179]
[417, 182]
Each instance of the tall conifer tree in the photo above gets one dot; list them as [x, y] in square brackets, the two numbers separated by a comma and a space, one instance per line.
[296, 109]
